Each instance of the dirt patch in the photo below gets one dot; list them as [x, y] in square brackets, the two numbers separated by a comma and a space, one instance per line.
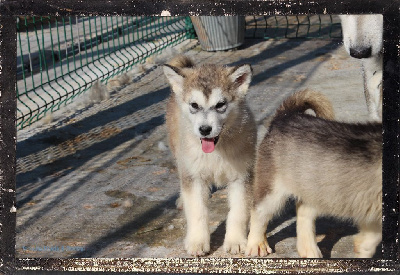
[134, 161]
[154, 223]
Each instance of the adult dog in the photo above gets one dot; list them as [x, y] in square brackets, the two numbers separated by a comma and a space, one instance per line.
[363, 39]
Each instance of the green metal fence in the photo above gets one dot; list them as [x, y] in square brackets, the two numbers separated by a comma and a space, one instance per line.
[59, 58]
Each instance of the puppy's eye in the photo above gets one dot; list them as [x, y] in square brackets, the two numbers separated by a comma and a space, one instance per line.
[220, 105]
[194, 105]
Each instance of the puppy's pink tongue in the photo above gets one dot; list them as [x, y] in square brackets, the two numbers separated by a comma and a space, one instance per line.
[207, 144]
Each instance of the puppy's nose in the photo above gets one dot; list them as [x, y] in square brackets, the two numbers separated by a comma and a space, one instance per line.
[361, 52]
[205, 130]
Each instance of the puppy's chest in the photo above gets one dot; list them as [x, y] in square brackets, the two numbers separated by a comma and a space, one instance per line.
[214, 168]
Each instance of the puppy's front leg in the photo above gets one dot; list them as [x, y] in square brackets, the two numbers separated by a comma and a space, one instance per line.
[194, 196]
[236, 223]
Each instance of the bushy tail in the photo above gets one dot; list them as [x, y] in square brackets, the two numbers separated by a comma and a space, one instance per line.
[301, 101]
[181, 61]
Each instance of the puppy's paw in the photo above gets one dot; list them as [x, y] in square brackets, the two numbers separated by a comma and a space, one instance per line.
[235, 246]
[197, 249]
[258, 248]
[308, 250]
[179, 203]
[364, 254]
[197, 246]
[358, 238]
[365, 244]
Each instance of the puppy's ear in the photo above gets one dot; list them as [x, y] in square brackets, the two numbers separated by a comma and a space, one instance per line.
[175, 78]
[241, 78]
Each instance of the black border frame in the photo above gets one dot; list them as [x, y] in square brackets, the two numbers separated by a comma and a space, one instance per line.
[391, 121]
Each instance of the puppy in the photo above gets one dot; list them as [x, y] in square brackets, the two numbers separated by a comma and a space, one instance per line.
[331, 168]
[212, 135]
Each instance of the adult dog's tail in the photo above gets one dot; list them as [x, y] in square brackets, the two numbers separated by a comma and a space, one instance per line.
[301, 101]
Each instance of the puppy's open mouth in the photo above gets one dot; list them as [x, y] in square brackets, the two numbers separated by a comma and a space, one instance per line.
[208, 144]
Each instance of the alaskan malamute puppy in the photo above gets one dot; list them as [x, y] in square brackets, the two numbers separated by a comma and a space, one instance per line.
[331, 168]
[212, 135]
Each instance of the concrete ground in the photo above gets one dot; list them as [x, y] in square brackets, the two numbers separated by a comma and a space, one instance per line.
[102, 182]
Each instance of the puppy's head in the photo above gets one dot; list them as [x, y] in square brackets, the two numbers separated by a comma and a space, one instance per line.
[208, 95]
[362, 34]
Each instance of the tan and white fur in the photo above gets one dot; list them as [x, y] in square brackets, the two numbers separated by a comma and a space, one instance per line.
[331, 168]
[363, 39]
[212, 135]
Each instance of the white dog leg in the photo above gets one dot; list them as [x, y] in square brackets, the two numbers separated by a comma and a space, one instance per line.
[372, 74]
[194, 195]
[236, 223]
[306, 240]
[366, 241]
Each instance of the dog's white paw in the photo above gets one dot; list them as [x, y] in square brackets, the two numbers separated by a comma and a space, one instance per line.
[235, 246]
[308, 250]
[358, 238]
[367, 253]
[258, 248]
[365, 244]
[197, 249]
[179, 203]
[197, 246]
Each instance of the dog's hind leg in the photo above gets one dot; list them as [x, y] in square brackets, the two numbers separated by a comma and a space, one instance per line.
[366, 241]
[236, 223]
[306, 240]
[194, 195]
[261, 214]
